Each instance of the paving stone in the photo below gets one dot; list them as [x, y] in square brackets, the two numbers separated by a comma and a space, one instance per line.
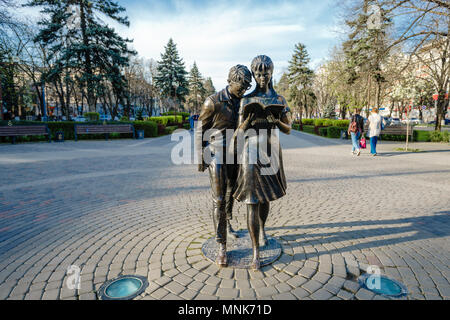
[300, 293]
[182, 279]
[351, 286]
[312, 286]
[227, 292]
[227, 283]
[283, 287]
[266, 291]
[321, 294]
[307, 272]
[284, 296]
[247, 293]
[364, 294]
[188, 294]
[345, 295]
[208, 290]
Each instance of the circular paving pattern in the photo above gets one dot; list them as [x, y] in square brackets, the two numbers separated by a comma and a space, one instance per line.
[239, 251]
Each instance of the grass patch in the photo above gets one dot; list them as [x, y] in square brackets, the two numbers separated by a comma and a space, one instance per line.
[408, 150]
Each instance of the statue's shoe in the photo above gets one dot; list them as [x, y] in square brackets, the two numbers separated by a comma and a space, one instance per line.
[256, 265]
[221, 259]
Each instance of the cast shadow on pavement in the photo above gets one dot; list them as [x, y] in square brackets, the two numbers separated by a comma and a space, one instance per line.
[424, 227]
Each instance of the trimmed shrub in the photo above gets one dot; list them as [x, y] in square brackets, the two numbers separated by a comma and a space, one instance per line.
[328, 123]
[296, 126]
[159, 120]
[170, 129]
[319, 122]
[421, 135]
[393, 137]
[341, 123]
[184, 115]
[92, 116]
[150, 128]
[187, 126]
[308, 129]
[308, 122]
[334, 132]
[439, 136]
[323, 131]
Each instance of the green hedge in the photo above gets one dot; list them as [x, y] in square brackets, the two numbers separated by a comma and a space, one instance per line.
[296, 126]
[67, 127]
[439, 136]
[334, 132]
[308, 129]
[185, 115]
[308, 122]
[170, 129]
[421, 135]
[393, 137]
[150, 128]
[326, 122]
[92, 116]
[165, 120]
[323, 131]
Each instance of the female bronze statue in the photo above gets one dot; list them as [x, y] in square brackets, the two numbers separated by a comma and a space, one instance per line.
[256, 186]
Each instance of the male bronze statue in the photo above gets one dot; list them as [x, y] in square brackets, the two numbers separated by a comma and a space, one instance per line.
[220, 112]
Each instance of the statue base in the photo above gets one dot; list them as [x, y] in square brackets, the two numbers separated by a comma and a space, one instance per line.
[239, 251]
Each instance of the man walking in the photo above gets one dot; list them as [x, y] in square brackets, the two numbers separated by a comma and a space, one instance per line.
[220, 112]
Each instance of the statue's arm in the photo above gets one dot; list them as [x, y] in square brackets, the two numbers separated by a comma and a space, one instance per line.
[205, 122]
[285, 121]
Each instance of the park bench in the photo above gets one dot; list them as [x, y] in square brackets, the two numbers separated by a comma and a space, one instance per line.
[394, 130]
[103, 128]
[34, 130]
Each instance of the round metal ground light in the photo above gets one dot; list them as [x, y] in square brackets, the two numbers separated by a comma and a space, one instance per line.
[383, 285]
[123, 288]
[239, 251]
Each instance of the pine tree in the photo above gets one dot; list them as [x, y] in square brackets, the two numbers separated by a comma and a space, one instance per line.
[171, 78]
[366, 48]
[300, 77]
[209, 87]
[197, 91]
[92, 49]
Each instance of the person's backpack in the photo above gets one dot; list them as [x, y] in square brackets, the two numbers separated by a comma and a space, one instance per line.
[353, 125]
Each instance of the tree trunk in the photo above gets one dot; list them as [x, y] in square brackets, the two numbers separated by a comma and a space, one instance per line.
[88, 61]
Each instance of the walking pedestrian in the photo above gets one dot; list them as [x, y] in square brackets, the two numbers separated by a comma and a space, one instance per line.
[356, 130]
[375, 127]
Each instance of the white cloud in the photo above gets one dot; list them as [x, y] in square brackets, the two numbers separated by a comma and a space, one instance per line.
[219, 36]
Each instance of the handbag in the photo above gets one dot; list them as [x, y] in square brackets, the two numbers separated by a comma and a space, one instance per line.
[362, 143]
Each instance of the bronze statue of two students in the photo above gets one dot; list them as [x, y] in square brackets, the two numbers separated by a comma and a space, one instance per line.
[249, 166]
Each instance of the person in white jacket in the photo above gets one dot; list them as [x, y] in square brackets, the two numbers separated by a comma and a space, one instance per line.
[375, 127]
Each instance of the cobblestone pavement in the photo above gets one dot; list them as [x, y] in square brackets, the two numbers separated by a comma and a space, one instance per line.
[121, 207]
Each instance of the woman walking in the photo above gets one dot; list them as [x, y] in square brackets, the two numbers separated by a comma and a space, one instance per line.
[356, 130]
[375, 127]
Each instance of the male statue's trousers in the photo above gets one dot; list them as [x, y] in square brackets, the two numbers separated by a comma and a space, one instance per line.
[223, 179]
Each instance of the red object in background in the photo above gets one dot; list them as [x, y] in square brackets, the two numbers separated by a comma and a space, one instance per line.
[435, 96]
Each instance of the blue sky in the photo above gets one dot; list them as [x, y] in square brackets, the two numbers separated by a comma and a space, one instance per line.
[220, 34]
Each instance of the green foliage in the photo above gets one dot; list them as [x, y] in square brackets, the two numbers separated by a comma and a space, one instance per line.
[185, 115]
[124, 118]
[341, 123]
[421, 135]
[170, 129]
[439, 136]
[150, 128]
[323, 131]
[328, 123]
[308, 122]
[308, 129]
[159, 120]
[334, 132]
[170, 71]
[319, 122]
[92, 116]
[393, 137]
[296, 126]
